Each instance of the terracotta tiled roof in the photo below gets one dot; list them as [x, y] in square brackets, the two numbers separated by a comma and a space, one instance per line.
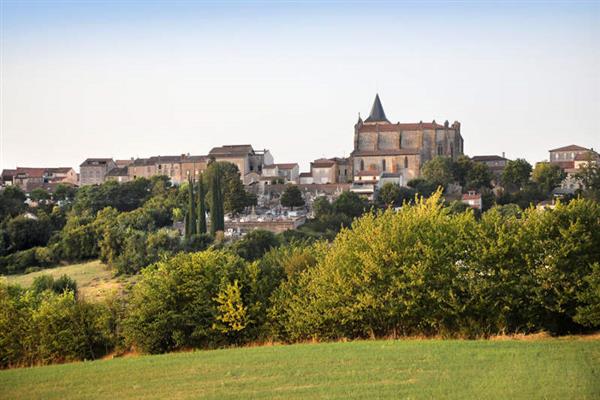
[571, 147]
[322, 163]
[401, 127]
[8, 173]
[123, 163]
[31, 172]
[59, 170]
[468, 196]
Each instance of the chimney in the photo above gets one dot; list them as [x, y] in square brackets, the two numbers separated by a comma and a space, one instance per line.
[503, 155]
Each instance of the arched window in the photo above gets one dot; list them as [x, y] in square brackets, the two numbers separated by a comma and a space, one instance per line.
[362, 165]
[405, 162]
[383, 164]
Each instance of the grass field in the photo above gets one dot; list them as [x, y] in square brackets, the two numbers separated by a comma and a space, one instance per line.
[94, 279]
[411, 369]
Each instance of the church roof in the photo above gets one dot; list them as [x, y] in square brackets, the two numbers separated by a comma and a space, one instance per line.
[377, 113]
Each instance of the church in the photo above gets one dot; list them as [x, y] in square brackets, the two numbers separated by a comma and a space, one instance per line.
[401, 148]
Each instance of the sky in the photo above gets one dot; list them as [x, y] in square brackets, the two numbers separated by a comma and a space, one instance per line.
[128, 79]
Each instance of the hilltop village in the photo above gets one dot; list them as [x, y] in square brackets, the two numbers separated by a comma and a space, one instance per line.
[385, 155]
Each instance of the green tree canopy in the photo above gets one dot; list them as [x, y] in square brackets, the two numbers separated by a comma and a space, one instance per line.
[292, 197]
[548, 176]
[439, 170]
[516, 174]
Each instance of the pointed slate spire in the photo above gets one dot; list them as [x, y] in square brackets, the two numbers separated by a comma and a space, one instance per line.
[377, 113]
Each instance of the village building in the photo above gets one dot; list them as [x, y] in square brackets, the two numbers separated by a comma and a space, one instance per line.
[306, 178]
[495, 163]
[93, 170]
[27, 178]
[244, 157]
[570, 159]
[118, 174]
[288, 172]
[403, 148]
[473, 200]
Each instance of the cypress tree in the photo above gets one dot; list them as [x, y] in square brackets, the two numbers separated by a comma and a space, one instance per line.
[191, 220]
[201, 228]
[217, 221]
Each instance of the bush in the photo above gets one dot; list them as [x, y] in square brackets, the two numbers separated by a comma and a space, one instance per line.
[176, 303]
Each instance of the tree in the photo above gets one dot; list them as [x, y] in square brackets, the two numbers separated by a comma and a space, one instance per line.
[233, 195]
[321, 206]
[516, 173]
[478, 176]
[548, 176]
[422, 186]
[389, 194]
[439, 171]
[292, 197]
[256, 243]
[64, 192]
[201, 229]
[461, 168]
[12, 202]
[39, 194]
[589, 177]
[217, 216]
[190, 227]
[349, 204]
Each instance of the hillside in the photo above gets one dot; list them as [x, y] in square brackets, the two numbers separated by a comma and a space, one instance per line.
[416, 369]
[94, 279]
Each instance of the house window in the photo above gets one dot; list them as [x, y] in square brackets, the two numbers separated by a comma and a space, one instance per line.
[383, 164]
[440, 150]
[405, 162]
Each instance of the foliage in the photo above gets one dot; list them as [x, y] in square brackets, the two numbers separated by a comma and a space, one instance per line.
[12, 202]
[24, 232]
[217, 213]
[173, 305]
[422, 187]
[589, 177]
[39, 194]
[389, 194]
[292, 197]
[548, 176]
[438, 171]
[254, 244]
[516, 174]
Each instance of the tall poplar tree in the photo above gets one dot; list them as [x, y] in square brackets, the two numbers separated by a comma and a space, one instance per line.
[201, 228]
[190, 228]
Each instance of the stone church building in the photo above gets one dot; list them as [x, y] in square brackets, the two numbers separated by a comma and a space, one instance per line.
[401, 148]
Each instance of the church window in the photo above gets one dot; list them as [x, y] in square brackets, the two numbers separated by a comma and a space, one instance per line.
[452, 150]
[405, 162]
[440, 150]
[362, 165]
[383, 164]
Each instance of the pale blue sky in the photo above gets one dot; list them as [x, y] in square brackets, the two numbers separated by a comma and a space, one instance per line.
[135, 79]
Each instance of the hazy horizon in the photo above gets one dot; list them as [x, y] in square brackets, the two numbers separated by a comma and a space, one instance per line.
[130, 79]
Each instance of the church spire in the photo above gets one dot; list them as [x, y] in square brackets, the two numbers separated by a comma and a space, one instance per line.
[377, 113]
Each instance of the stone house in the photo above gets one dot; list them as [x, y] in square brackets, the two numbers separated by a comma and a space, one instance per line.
[28, 178]
[473, 199]
[93, 170]
[289, 172]
[382, 146]
[244, 157]
[496, 164]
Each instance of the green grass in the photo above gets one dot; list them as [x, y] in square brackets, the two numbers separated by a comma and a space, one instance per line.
[94, 279]
[411, 369]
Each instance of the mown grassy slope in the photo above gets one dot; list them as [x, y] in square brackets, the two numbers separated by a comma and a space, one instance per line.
[415, 369]
[94, 279]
